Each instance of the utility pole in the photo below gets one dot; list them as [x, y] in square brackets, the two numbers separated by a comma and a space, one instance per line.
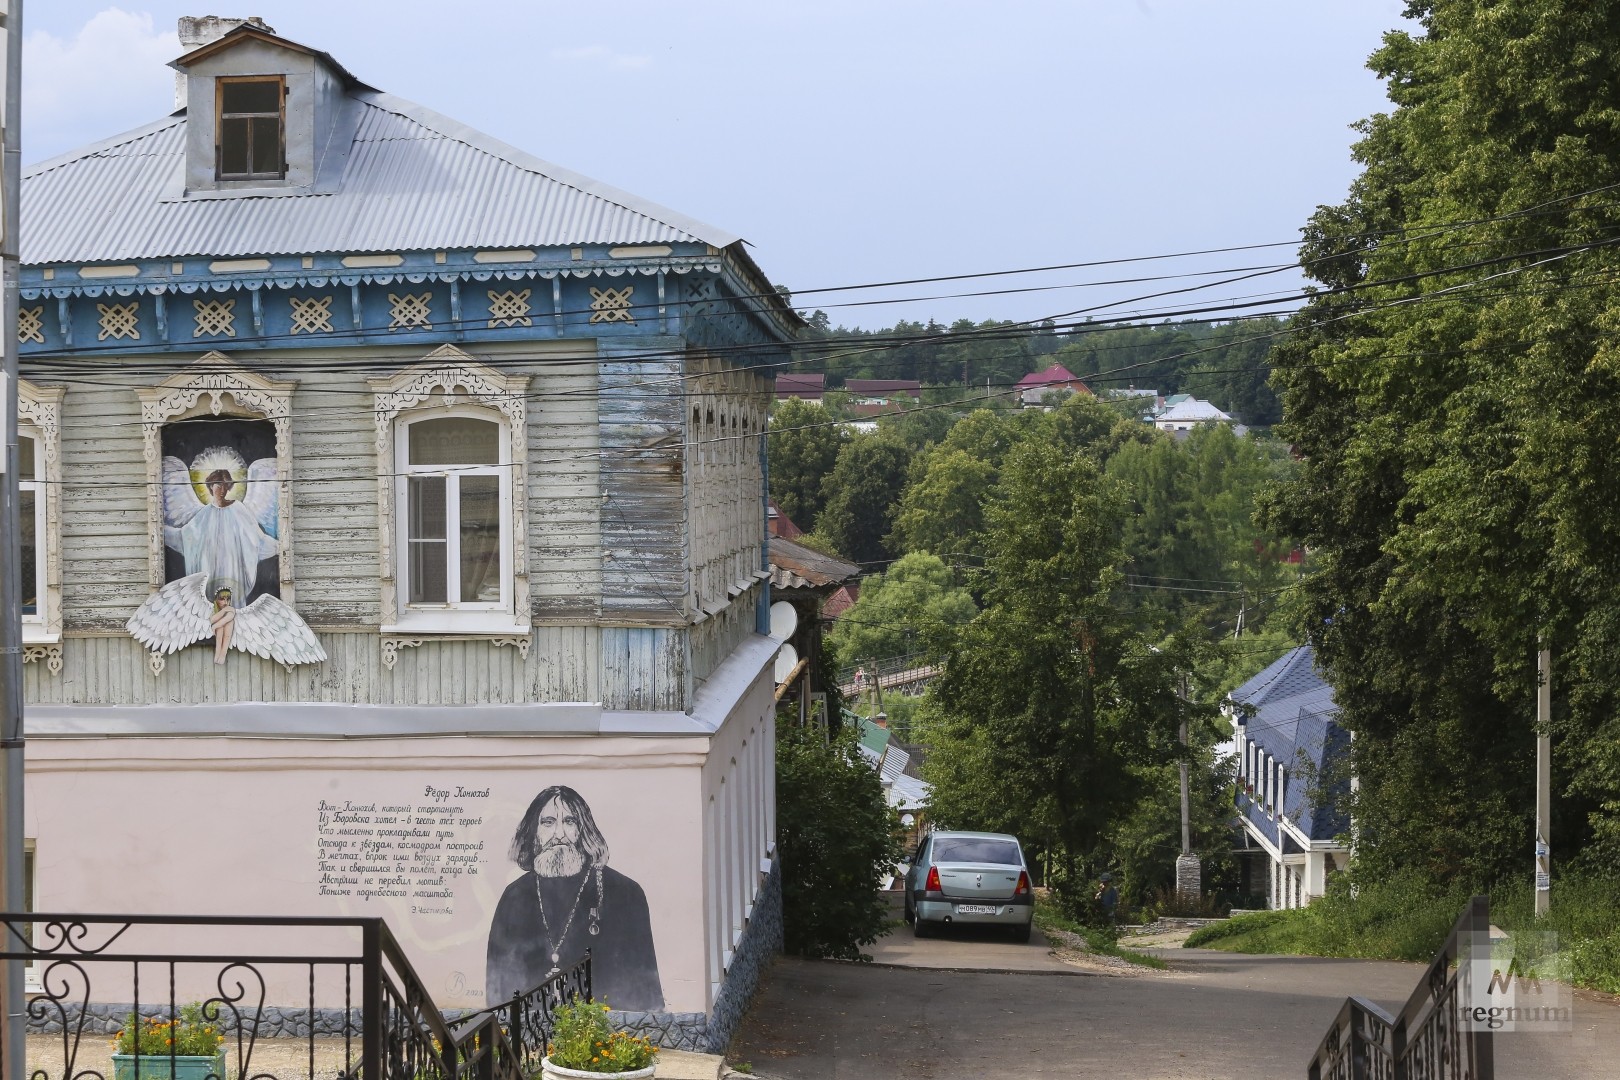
[1543, 777]
[14, 1059]
[1189, 869]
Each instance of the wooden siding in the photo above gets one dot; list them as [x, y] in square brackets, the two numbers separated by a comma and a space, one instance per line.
[715, 639]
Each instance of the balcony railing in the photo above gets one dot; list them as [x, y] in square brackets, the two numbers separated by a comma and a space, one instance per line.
[1426, 1039]
[341, 991]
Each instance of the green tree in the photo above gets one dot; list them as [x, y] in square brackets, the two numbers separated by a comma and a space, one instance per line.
[838, 841]
[1050, 706]
[910, 608]
[863, 493]
[1453, 391]
[802, 449]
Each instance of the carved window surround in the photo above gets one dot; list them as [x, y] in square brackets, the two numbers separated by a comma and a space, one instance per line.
[217, 386]
[450, 378]
[39, 414]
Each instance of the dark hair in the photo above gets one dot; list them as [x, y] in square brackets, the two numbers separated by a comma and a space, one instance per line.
[591, 840]
[220, 476]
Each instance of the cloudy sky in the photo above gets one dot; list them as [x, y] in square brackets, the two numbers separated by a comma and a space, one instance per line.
[850, 141]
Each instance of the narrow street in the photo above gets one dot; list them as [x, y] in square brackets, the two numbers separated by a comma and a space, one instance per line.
[1212, 1016]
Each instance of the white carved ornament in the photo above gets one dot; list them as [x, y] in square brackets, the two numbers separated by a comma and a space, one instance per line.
[612, 305]
[216, 386]
[311, 316]
[215, 318]
[119, 321]
[510, 308]
[31, 325]
[40, 407]
[409, 312]
[453, 377]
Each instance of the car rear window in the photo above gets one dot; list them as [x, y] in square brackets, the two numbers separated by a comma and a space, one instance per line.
[973, 850]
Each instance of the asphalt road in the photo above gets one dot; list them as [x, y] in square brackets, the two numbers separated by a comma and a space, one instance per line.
[1214, 1016]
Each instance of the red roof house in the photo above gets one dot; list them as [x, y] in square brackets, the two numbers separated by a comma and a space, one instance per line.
[1034, 387]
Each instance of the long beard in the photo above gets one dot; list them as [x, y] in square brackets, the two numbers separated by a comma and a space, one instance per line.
[559, 860]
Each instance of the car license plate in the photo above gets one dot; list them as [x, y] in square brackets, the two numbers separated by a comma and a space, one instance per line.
[975, 909]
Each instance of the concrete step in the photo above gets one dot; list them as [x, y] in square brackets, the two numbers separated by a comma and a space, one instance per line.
[681, 1065]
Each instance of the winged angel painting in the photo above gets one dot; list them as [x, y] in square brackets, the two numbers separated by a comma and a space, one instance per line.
[221, 516]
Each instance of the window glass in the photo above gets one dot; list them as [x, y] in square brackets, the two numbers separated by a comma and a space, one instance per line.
[480, 539]
[963, 849]
[264, 144]
[27, 509]
[254, 96]
[428, 520]
[455, 440]
[250, 136]
[25, 458]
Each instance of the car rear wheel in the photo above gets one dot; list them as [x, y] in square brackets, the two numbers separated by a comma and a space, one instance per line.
[1021, 934]
[919, 928]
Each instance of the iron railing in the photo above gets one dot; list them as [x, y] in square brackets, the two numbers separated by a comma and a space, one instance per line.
[342, 987]
[1426, 1041]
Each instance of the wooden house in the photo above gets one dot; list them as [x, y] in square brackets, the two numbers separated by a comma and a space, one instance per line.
[383, 478]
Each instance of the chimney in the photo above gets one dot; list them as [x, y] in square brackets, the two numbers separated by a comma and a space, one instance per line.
[197, 30]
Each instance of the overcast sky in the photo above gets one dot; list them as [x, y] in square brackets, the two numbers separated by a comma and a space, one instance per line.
[849, 141]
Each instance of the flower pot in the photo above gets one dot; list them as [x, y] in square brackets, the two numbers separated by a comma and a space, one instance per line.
[163, 1067]
[557, 1072]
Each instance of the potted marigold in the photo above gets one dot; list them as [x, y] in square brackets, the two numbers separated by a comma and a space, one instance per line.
[584, 1043]
[188, 1047]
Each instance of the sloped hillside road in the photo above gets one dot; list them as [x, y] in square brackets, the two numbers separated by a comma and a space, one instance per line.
[979, 1008]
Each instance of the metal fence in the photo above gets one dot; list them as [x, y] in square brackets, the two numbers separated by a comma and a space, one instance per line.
[336, 997]
[1425, 1041]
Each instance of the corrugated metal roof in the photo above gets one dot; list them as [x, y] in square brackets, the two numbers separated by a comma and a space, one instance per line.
[794, 566]
[414, 181]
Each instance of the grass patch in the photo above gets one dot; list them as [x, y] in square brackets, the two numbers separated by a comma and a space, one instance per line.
[1406, 919]
[1099, 939]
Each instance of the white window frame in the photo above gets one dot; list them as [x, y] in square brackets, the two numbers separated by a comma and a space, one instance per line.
[451, 382]
[39, 417]
[404, 472]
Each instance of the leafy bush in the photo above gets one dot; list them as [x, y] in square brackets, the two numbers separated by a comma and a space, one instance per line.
[583, 1038]
[838, 840]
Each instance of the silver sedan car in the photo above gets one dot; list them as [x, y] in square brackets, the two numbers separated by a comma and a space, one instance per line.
[969, 877]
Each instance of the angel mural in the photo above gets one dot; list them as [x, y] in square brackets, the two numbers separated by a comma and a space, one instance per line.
[215, 534]
[182, 613]
[221, 518]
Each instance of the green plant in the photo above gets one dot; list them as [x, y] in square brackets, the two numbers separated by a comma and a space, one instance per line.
[191, 1034]
[584, 1038]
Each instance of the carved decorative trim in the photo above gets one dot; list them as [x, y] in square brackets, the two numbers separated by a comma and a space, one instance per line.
[510, 308]
[40, 408]
[311, 316]
[392, 643]
[612, 305]
[409, 312]
[449, 377]
[217, 386]
[31, 324]
[155, 662]
[51, 654]
[215, 318]
[119, 321]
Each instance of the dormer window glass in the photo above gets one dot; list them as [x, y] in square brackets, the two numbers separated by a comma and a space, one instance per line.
[251, 141]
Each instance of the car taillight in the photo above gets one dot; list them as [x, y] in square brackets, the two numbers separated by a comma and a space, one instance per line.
[932, 884]
[1023, 883]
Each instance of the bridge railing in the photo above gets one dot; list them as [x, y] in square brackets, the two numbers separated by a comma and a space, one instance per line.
[337, 995]
[1427, 1038]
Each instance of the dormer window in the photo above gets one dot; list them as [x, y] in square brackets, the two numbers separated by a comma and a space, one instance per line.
[250, 143]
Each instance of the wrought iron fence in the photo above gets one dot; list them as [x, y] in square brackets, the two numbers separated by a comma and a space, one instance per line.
[1426, 1041]
[338, 997]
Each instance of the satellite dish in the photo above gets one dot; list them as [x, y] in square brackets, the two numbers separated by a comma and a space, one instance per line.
[784, 620]
[786, 661]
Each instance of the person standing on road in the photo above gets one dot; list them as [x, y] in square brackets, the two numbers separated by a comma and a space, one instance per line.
[1107, 896]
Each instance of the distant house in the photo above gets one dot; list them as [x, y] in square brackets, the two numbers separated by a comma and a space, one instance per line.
[805, 578]
[778, 523]
[1183, 413]
[806, 387]
[1291, 754]
[1057, 379]
[889, 393]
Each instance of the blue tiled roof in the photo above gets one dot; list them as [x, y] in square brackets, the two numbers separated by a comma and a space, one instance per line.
[1294, 720]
